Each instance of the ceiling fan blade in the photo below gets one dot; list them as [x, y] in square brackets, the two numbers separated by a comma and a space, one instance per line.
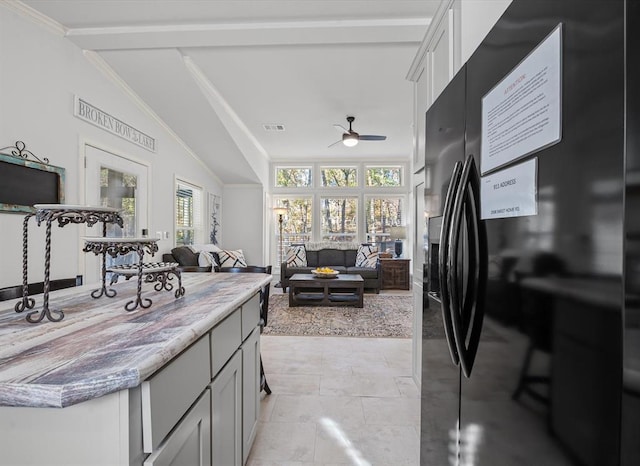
[331, 145]
[371, 137]
[340, 128]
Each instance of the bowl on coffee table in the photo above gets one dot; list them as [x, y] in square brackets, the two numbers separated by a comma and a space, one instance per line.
[324, 272]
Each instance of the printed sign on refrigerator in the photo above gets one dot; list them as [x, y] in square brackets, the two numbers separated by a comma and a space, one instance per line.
[511, 192]
[522, 113]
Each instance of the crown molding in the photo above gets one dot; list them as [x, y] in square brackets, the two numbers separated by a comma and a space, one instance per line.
[96, 60]
[415, 68]
[250, 34]
[35, 16]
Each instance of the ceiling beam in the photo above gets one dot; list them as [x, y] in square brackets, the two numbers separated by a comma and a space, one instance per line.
[250, 34]
[247, 143]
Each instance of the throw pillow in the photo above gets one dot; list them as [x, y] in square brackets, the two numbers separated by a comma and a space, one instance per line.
[296, 256]
[231, 258]
[184, 255]
[367, 255]
[208, 247]
[206, 259]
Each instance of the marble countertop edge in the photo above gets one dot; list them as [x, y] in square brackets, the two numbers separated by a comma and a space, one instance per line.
[199, 318]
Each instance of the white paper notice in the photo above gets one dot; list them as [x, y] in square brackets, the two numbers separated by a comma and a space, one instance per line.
[511, 192]
[522, 113]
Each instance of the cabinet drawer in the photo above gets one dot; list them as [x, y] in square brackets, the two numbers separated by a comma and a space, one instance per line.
[168, 394]
[225, 340]
[190, 442]
[250, 316]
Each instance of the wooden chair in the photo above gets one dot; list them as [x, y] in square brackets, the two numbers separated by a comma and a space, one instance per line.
[264, 308]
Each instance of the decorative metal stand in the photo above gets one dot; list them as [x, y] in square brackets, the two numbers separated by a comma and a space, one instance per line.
[64, 214]
[159, 272]
[152, 272]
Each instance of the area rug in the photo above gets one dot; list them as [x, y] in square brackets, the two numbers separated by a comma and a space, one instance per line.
[381, 316]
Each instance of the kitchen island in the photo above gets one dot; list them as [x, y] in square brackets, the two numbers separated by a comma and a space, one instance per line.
[154, 386]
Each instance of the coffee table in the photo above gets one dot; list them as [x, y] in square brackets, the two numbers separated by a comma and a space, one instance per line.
[342, 290]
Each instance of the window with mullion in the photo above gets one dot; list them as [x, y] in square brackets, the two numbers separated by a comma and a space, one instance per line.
[292, 177]
[339, 218]
[383, 176]
[382, 213]
[338, 177]
[297, 223]
[188, 213]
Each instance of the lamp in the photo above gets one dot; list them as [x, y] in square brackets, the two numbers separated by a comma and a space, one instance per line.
[280, 212]
[350, 139]
[399, 233]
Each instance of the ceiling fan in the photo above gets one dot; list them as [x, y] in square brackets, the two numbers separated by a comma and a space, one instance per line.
[350, 138]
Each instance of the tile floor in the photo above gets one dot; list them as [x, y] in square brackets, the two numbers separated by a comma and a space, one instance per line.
[338, 401]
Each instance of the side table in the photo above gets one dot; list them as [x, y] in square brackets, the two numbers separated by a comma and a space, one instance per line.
[395, 274]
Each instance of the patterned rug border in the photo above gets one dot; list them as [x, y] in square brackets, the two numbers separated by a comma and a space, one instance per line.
[383, 316]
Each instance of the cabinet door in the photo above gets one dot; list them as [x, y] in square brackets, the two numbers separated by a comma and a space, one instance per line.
[421, 102]
[441, 55]
[226, 414]
[190, 441]
[167, 395]
[250, 390]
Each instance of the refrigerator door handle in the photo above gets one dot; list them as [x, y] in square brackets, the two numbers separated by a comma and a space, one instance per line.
[445, 291]
[467, 306]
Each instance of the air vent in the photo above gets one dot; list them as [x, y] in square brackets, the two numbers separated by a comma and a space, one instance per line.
[273, 127]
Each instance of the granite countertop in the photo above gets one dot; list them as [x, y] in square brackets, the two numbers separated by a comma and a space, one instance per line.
[99, 348]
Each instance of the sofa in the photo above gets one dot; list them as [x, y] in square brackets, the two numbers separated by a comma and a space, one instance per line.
[338, 256]
[204, 258]
[186, 259]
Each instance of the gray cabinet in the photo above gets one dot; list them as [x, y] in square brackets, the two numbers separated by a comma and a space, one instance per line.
[200, 407]
[190, 442]
[226, 414]
[167, 395]
[235, 387]
[250, 390]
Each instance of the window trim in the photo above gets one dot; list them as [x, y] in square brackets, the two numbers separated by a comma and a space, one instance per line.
[369, 166]
[336, 195]
[323, 166]
[361, 192]
[277, 166]
[198, 215]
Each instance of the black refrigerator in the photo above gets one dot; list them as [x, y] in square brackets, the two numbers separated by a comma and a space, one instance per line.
[531, 319]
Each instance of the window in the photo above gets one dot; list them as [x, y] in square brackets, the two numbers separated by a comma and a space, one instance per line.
[296, 223]
[342, 177]
[339, 200]
[384, 176]
[189, 227]
[339, 216]
[119, 189]
[381, 214]
[293, 177]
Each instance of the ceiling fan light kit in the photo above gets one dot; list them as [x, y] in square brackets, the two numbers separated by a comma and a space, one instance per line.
[350, 138]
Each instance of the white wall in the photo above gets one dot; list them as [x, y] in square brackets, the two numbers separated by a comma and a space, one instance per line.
[40, 72]
[475, 23]
[243, 208]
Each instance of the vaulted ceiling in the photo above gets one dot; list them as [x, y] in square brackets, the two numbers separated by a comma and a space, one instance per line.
[218, 71]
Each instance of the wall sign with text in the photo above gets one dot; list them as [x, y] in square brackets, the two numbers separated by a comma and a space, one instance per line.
[522, 113]
[92, 114]
[511, 192]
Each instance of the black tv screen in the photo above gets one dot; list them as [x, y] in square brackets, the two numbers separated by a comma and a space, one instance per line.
[25, 183]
